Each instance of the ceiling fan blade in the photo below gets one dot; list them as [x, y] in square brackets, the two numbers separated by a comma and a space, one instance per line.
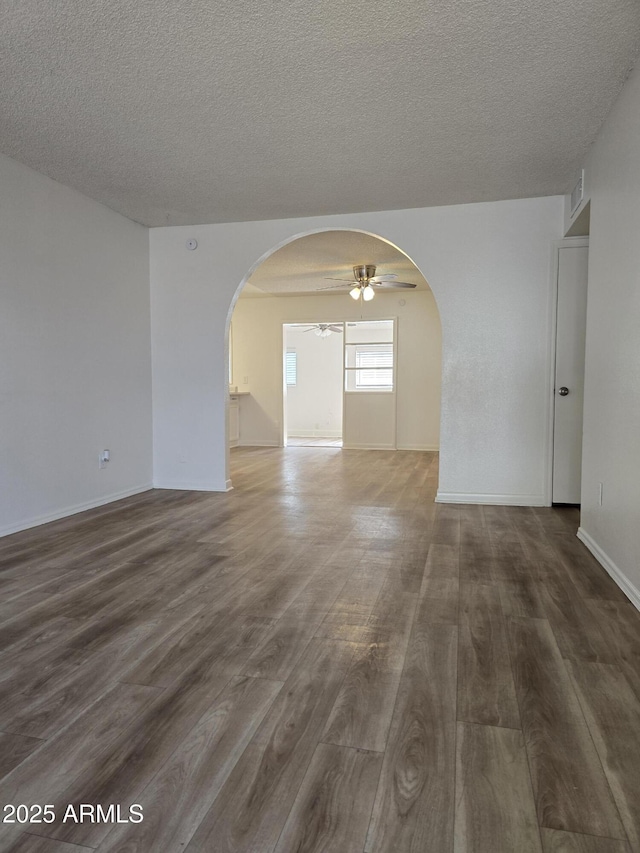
[348, 280]
[392, 284]
[388, 277]
[335, 328]
[337, 286]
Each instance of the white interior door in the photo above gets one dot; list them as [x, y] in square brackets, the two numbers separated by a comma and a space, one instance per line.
[569, 373]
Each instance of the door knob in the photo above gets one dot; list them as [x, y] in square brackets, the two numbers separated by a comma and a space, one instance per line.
[563, 391]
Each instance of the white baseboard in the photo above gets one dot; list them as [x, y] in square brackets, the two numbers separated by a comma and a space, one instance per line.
[495, 500]
[188, 486]
[258, 444]
[73, 510]
[428, 447]
[631, 591]
[229, 486]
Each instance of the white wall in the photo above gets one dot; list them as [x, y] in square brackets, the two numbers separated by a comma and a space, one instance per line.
[314, 404]
[489, 268]
[75, 366]
[611, 445]
[257, 330]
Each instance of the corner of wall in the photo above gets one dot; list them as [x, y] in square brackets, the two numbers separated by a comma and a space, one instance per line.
[629, 589]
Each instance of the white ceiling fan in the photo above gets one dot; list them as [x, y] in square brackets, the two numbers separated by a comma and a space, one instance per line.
[323, 330]
[365, 281]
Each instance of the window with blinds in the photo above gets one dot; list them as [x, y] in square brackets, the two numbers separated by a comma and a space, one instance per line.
[369, 356]
[291, 367]
[374, 367]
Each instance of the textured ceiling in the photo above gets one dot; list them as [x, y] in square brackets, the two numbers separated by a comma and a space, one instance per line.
[303, 266]
[188, 111]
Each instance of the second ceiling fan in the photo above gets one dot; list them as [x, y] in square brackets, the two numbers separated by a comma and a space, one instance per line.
[365, 281]
[323, 330]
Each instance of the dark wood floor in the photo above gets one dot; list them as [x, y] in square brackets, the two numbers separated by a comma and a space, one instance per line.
[321, 660]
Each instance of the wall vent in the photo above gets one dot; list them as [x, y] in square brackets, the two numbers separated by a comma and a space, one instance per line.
[577, 193]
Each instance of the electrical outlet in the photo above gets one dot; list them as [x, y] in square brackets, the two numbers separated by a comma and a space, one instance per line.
[245, 380]
[103, 457]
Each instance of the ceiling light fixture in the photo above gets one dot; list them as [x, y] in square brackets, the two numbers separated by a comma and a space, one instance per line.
[367, 282]
[363, 290]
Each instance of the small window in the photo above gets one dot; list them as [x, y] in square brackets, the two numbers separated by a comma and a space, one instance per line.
[369, 356]
[291, 367]
[374, 367]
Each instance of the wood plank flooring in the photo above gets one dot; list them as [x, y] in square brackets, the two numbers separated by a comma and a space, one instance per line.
[322, 659]
[317, 441]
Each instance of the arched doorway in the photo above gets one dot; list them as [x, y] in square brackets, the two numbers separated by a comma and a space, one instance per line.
[291, 284]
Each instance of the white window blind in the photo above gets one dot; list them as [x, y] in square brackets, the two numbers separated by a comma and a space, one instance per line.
[374, 367]
[291, 367]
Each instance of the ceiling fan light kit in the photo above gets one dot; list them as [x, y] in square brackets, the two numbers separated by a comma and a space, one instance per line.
[366, 281]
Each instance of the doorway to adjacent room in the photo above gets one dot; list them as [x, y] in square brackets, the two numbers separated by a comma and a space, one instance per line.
[312, 370]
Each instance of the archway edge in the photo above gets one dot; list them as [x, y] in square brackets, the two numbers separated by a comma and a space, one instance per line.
[277, 246]
[307, 233]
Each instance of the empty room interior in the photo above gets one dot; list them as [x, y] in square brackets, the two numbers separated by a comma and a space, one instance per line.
[320, 427]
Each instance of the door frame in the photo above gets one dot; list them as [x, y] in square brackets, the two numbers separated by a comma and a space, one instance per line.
[283, 407]
[567, 242]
